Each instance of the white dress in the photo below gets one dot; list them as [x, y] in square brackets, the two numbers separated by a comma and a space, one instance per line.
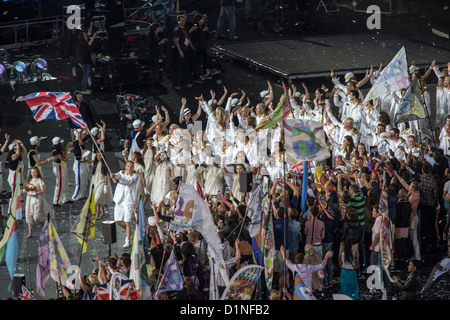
[214, 181]
[139, 168]
[162, 181]
[150, 167]
[193, 175]
[37, 207]
[98, 181]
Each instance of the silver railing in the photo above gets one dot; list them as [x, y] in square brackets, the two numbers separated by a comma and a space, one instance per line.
[23, 29]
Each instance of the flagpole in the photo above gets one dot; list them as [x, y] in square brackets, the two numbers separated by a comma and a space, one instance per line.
[284, 198]
[426, 112]
[98, 148]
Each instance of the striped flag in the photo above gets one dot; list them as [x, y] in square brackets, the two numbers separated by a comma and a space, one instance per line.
[59, 260]
[53, 105]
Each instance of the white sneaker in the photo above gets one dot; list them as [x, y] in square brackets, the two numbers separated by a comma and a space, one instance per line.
[127, 244]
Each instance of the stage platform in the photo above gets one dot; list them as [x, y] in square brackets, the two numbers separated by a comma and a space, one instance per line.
[314, 56]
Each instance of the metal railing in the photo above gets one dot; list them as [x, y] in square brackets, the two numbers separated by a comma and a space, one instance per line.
[23, 29]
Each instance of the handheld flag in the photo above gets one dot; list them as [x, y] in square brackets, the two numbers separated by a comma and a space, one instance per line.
[281, 112]
[304, 141]
[301, 291]
[172, 279]
[59, 260]
[43, 266]
[392, 78]
[53, 105]
[25, 294]
[243, 283]
[410, 107]
[441, 268]
[84, 226]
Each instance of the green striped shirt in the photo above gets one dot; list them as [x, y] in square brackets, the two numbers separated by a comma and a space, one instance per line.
[358, 204]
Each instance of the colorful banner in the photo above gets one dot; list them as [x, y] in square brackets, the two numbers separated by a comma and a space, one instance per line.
[301, 291]
[395, 76]
[410, 108]
[59, 260]
[304, 141]
[243, 283]
[43, 266]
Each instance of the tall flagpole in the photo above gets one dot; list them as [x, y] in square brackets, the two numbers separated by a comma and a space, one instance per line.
[98, 148]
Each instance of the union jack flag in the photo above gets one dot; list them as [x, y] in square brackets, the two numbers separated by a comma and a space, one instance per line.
[53, 105]
[24, 294]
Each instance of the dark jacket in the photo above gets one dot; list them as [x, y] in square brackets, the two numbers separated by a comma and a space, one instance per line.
[411, 288]
[403, 213]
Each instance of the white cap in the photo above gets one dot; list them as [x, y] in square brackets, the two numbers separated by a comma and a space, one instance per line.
[234, 102]
[57, 140]
[211, 101]
[348, 76]
[11, 146]
[95, 130]
[138, 123]
[297, 94]
[86, 154]
[151, 220]
[154, 118]
[264, 94]
[78, 131]
[34, 140]
[412, 68]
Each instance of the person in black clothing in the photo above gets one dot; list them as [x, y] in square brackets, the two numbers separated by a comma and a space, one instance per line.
[412, 286]
[200, 36]
[154, 43]
[85, 111]
[84, 54]
[184, 48]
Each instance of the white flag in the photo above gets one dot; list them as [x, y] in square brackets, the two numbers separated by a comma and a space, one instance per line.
[392, 78]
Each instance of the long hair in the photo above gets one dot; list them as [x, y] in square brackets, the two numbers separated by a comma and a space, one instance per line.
[350, 148]
[144, 150]
[221, 117]
[348, 253]
[29, 177]
[104, 170]
[139, 158]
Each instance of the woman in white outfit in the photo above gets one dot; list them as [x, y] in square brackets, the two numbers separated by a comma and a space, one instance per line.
[101, 183]
[162, 181]
[36, 206]
[59, 163]
[148, 154]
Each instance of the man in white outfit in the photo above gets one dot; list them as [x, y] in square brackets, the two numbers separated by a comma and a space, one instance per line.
[125, 198]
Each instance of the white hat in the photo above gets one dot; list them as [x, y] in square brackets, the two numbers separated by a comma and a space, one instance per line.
[412, 68]
[264, 94]
[154, 118]
[297, 94]
[12, 146]
[138, 123]
[78, 131]
[234, 102]
[186, 111]
[57, 140]
[34, 140]
[211, 101]
[348, 76]
[151, 220]
[95, 130]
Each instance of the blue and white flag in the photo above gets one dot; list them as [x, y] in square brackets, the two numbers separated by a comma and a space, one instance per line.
[394, 77]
